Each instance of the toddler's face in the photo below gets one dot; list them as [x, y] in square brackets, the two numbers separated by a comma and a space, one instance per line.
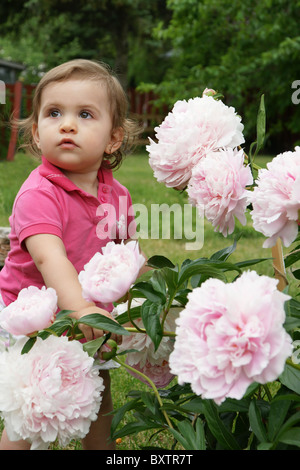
[74, 126]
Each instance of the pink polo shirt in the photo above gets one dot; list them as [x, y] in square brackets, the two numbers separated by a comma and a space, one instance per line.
[48, 202]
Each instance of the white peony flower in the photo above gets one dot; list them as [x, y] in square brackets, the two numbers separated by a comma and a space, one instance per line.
[188, 132]
[52, 392]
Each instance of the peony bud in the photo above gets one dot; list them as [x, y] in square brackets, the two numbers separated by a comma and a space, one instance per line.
[109, 353]
[209, 92]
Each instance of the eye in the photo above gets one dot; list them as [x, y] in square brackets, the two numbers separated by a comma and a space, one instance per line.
[85, 115]
[54, 113]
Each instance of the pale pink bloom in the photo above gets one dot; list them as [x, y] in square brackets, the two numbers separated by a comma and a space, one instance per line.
[276, 199]
[160, 374]
[33, 310]
[188, 132]
[218, 188]
[108, 276]
[231, 335]
[52, 392]
[154, 364]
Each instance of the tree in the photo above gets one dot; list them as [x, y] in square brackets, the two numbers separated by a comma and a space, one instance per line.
[48, 32]
[242, 49]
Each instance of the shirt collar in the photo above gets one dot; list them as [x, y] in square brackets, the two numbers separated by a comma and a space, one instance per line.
[54, 174]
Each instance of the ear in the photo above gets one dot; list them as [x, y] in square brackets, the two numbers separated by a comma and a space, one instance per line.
[116, 140]
[35, 134]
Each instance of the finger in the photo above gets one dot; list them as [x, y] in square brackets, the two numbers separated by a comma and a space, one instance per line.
[88, 332]
[117, 338]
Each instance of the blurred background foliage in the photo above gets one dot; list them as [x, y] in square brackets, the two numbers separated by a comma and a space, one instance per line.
[174, 47]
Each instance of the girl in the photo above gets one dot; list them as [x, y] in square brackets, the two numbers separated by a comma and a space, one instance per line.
[79, 126]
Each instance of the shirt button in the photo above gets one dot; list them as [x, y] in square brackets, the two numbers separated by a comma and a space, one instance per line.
[103, 199]
[105, 189]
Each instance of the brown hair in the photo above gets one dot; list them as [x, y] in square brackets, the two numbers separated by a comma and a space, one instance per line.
[92, 70]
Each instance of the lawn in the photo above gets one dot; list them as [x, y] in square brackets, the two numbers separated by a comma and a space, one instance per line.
[136, 174]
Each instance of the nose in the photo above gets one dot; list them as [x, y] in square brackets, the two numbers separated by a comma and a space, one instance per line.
[68, 124]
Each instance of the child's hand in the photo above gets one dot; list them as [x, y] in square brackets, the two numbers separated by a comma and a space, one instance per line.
[93, 333]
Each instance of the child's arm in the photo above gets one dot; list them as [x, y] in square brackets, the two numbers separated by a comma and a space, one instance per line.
[49, 255]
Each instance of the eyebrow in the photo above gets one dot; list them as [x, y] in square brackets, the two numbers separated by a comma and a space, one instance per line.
[53, 104]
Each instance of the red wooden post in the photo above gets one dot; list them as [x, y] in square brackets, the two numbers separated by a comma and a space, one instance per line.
[16, 114]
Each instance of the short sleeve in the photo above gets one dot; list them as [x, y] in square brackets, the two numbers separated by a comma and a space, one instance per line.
[37, 212]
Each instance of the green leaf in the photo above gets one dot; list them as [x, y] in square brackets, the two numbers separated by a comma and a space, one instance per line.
[28, 345]
[159, 262]
[291, 437]
[292, 257]
[151, 319]
[256, 422]
[250, 262]
[260, 131]
[152, 406]
[63, 313]
[135, 312]
[91, 347]
[188, 437]
[158, 282]
[261, 124]
[197, 267]
[171, 278]
[120, 413]
[148, 290]
[195, 405]
[217, 427]
[289, 424]
[101, 322]
[296, 273]
[291, 378]
[292, 308]
[61, 326]
[225, 252]
[231, 405]
[265, 446]
[134, 428]
[278, 412]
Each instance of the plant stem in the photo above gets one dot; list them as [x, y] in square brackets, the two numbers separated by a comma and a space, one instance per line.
[291, 363]
[266, 388]
[129, 316]
[151, 383]
[130, 329]
[141, 330]
[252, 163]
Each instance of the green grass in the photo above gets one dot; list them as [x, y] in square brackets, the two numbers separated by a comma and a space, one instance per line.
[137, 176]
[12, 175]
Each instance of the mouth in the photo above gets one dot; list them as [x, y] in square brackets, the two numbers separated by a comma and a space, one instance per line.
[67, 144]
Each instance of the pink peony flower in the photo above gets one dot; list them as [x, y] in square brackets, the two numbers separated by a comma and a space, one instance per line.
[52, 392]
[218, 188]
[33, 310]
[107, 277]
[188, 133]
[154, 364]
[276, 199]
[230, 335]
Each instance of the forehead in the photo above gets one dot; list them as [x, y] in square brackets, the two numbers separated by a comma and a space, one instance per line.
[75, 92]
